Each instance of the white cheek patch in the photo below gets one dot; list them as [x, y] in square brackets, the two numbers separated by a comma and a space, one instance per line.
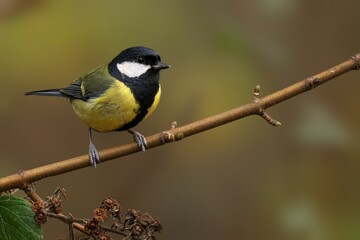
[132, 69]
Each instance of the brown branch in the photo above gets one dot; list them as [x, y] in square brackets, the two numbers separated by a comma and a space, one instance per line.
[257, 107]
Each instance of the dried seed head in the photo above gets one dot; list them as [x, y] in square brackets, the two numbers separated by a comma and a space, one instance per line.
[91, 225]
[53, 204]
[99, 214]
[113, 207]
[40, 217]
[131, 216]
[37, 206]
[110, 203]
[137, 230]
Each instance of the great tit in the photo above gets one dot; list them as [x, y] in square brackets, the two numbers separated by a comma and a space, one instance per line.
[115, 96]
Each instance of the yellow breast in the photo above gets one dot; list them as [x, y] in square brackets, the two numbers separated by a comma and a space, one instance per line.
[112, 110]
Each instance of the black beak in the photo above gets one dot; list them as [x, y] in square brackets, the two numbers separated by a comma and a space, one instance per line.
[160, 66]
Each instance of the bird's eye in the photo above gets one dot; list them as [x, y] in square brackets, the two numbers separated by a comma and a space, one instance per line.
[141, 60]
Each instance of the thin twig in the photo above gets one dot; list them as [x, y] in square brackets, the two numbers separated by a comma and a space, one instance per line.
[178, 133]
[76, 223]
[262, 112]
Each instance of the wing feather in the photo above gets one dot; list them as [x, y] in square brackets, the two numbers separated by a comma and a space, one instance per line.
[74, 90]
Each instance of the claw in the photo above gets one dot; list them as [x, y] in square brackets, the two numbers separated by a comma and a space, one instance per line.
[139, 139]
[93, 152]
[93, 155]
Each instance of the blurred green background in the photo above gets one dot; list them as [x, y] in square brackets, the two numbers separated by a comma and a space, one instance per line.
[245, 180]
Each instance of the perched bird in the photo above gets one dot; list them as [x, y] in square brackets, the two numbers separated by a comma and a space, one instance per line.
[115, 96]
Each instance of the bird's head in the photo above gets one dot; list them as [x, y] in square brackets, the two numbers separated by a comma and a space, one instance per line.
[136, 62]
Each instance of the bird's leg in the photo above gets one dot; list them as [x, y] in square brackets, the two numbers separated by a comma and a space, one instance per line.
[93, 152]
[139, 139]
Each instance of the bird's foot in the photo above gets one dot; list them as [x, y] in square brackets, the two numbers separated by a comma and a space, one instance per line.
[93, 155]
[139, 139]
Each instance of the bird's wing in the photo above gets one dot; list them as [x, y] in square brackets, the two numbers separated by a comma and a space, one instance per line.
[91, 85]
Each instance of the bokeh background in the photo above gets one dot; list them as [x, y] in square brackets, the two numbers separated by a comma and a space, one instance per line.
[245, 180]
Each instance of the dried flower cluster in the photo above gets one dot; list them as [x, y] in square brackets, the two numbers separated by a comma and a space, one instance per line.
[52, 204]
[141, 226]
[136, 226]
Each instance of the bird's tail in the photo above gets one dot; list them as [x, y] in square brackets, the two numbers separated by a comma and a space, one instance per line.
[47, 92]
